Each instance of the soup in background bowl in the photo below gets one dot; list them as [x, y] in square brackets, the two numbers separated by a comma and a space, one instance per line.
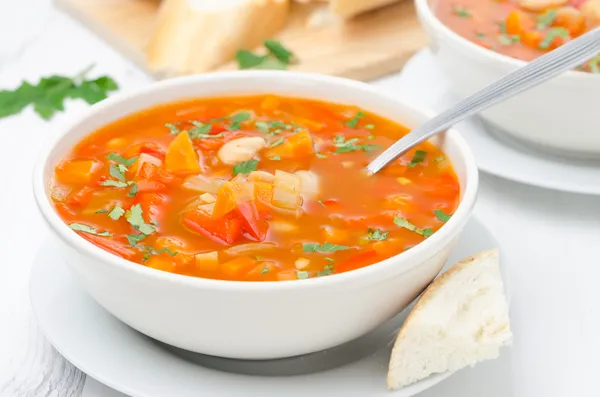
[476, 43]
[169, 230]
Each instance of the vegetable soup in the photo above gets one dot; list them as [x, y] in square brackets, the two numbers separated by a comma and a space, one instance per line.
[259, 188]
[522, 29]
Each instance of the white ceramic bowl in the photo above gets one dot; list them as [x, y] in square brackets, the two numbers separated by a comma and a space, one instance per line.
[559, 116]
[246, 320]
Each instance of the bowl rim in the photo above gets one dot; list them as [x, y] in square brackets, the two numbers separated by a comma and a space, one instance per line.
[86, 248]
[425, 10]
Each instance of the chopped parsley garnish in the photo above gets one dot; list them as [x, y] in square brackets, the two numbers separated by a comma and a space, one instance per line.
[371, 137]
[237, 119]
[264, 271]
[113, 183]
[103, 211]
[277, 142]
[134, 216]
[121, 160]
[370, 127]
[442, 216]
[480, 35]
[80, 227]
[502, 27]
[277, 57]
[461, 12]
[134, 239]
[594, 64]
[327, 270]
[117, 171]
[345, 146]
[553, 34]
[325, 247]
[506, 39]
[133, 190]
[353, 122]
[262, 126]
[149, 251]
[50, 93]
[545, 20]
[377, 235]
[116, 213]
[439, 159]
[407, 225]
[321, 156]
[245, 167]
[275, 158]
[302, 275]
[173, 128]
[417, 158]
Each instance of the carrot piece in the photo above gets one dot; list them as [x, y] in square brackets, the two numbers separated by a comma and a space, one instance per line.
[571, 19]
[181, 156]
[297, 145]
[270, 103]
[160, 262]
[77, 171]
[238, 266]
[532, 38]
[518, 22]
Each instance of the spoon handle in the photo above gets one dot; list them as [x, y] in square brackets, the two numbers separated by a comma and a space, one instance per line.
[544, 68]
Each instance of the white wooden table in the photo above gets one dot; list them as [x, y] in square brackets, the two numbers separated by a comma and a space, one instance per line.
[551, 237]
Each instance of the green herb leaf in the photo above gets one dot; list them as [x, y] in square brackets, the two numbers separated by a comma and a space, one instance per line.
[417, 158]
[48, 96]
[149, 251]
[321, 156]
[237, 119]
[118, 171]
[377, 235]
[439, 159]
[121, 160]
[407, 225]
[353, 122]
[113, 183]
[116, 213]
[133, 190]
[80, 227]
[134, 239]
[461, 12]
[277, 142]
[248, 60]
[245, 167]
[263, 126]
[545, 20]
[101, 211]
[275, 158]
[551, 35]
[480, 35]
[327, 270]
[135, 218]
[276, 49]
[173, 128]
[506, 39]
[326, 247]
[594, 65]
[302, 275]
[328, 259]
[370, 127]
[264, 271]
[442, 216]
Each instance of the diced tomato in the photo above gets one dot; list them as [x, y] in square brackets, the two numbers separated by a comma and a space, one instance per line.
[110, 245]
[225, 230]
[357, 261]
[151, 148]
[152, 172]
[80, 197]
[251, 223]
[152, 206]
[147, 186]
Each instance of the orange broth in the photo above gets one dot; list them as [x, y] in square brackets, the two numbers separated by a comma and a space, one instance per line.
[152, 188]
[523, 29]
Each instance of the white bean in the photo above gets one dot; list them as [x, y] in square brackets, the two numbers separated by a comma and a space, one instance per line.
[541, 5]
[241, 149]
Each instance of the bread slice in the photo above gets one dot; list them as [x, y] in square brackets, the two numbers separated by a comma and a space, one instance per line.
[351, 8]
[194, 36]
[460, 320]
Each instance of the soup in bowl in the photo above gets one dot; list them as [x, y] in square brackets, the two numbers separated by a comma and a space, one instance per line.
[479, 42]
[231, 214]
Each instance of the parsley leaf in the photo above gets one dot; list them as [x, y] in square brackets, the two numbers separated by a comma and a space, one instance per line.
[133, 190]
[353, 122]
[442, 216]
[237, 119]
[321, 156]
[245, 167]
[370, 127]
[506, 39]
[278, 57]
[417, 158]
[275, 158]
[248, 60]
[551, 35]
[116, 213]
[545, 20]
[279, 51]
[327, 270]
[135, 219]
[326, 247]
[439, 159]
[121, 160]
[461, 12]
[117, 171]
[302, 275]
[80, 227]
[407, 225]
[264, 270]
[345, 146]
[149, 251]
[134, 239]
[277, 142]
[173, 128]
[377, 235]
[48, 96]
[262, 126]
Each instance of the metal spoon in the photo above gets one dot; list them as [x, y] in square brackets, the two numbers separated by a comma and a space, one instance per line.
[544, 68]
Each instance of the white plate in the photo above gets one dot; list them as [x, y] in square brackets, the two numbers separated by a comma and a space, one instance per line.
[422, 82]
[132, 363]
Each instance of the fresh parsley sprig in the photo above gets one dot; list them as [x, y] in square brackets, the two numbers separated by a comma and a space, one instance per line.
[277, 57]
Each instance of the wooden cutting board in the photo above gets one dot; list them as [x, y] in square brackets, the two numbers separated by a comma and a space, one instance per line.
[370, 46]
